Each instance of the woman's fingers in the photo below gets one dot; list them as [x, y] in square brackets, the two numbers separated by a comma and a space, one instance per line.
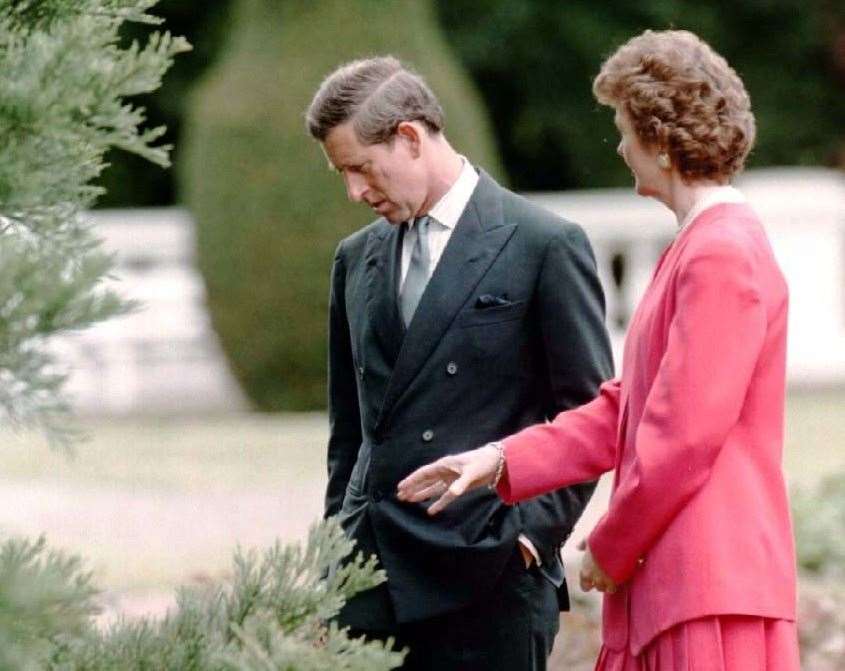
[591, 575]
[591, 580]
[432, 490]
[605, 586]
[456, 489]
[461, 473]
[413, 487]
[587, 575]
[586, 581]
[595, 579]
[441, 503]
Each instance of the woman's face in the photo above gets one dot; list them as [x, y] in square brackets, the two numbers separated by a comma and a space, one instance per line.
[649, 178]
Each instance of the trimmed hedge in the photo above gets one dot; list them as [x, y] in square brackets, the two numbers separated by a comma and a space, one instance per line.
[269, 211]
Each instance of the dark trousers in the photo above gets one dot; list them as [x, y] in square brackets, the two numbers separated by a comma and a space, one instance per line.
[512, 629]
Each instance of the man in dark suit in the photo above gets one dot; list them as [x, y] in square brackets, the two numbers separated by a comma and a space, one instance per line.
[462, 314]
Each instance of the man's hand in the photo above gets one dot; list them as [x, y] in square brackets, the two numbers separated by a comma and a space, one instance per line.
[591, 575]
[450, 477]
[527, 557]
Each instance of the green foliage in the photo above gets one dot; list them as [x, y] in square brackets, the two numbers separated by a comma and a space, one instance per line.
[64, 80]
[269, 212]
[819, 517]
[46, 600]
[271, 614]
[41, 15]
[538, 90]
[128, 180]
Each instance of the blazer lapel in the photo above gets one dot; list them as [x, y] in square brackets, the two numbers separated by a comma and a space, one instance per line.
[633, 333]
[475, 243]
[382, 259]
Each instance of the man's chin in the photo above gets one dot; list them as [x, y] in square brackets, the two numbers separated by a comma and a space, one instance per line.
[392, 216]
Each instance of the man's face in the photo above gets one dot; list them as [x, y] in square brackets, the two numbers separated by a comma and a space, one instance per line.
[388, 177]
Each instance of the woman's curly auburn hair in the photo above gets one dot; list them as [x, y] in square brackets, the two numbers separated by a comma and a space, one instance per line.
[684, 98]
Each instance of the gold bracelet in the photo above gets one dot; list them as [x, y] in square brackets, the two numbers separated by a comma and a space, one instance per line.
[500, 465]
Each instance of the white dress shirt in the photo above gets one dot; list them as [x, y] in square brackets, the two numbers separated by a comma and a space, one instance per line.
[443, 218]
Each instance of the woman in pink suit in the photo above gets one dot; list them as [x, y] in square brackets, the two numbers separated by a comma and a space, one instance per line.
[695, 553]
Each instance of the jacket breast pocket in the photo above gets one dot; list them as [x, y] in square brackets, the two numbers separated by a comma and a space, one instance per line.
[495, 314]
[493, 331]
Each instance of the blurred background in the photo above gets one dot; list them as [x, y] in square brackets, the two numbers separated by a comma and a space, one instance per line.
[206, 409]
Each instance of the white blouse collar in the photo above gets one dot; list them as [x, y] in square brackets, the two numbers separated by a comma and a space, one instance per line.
[715, 196]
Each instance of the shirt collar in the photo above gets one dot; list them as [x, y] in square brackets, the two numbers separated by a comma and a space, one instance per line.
[715, 196]
[448, 210]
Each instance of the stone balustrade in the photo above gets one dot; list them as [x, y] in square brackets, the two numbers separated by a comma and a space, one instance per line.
[165, 357]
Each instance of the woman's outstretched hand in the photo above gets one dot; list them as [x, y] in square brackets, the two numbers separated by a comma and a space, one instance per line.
[450, 477]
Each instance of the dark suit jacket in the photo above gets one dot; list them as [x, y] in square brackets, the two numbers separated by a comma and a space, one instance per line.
[509, 332]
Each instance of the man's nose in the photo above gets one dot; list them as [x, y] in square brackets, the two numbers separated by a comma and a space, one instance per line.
[619, 148]
[356, 187]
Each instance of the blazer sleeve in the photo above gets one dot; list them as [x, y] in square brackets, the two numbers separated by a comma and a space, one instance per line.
[576, 345]
[578, 446]
[713, 345]
[344, 413]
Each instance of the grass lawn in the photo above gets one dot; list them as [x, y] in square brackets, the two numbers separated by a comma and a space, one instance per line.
[154, 503]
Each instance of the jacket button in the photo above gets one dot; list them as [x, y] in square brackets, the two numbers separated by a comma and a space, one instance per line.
[451, 368]
[428, 435]
[361, 371]
[377, 495]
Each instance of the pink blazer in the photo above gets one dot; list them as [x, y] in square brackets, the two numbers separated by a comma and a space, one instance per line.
[698, 523]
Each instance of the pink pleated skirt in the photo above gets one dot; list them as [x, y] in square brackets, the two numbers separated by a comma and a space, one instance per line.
[720, 643]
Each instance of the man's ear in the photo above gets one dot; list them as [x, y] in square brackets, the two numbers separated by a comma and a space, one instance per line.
[410, 133]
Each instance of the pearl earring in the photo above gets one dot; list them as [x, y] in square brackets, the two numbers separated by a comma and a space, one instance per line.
[663, 161]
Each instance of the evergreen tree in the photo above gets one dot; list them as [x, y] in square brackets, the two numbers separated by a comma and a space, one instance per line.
[128, 180]
[46, 599]
[271, 614]
[64, 77]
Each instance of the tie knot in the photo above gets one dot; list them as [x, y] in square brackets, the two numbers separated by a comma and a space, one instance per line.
[421, 222]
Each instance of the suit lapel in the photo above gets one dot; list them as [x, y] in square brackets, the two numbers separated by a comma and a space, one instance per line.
[381, 257]
[475, 243]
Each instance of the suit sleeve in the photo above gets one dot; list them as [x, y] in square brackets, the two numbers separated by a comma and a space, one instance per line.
[344, 417]
[578, 357]
[697, 396]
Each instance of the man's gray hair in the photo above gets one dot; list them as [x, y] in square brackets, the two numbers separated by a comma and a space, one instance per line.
[376, 94]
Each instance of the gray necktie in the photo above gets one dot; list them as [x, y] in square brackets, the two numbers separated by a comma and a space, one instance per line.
[418, 270]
